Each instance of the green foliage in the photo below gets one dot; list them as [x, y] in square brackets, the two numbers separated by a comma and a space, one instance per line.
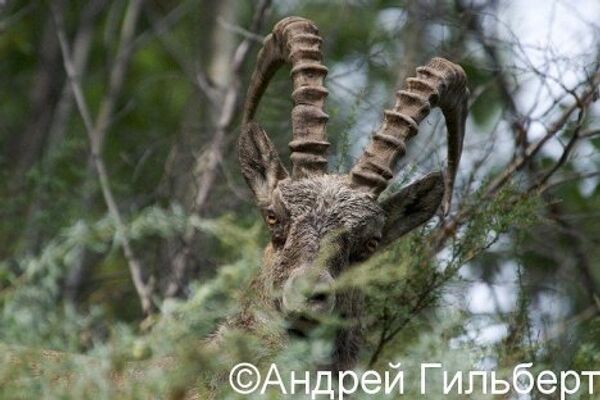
[53, 217]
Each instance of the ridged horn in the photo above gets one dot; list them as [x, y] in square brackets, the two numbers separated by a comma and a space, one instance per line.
[296, 41]
[440, 83]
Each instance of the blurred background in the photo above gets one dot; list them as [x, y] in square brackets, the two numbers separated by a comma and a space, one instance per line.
[122, 204]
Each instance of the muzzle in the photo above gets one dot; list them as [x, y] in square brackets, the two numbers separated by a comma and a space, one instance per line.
[308, 291]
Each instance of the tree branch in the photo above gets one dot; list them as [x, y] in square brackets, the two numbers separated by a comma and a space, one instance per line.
[97, 131]
[214, 153]
[585, 99]
[564, 156]
[449, 228]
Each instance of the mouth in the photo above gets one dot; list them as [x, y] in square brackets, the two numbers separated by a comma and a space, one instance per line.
[301, 325]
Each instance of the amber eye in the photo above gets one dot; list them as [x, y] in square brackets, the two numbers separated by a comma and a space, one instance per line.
[272, 219]
[372, 245]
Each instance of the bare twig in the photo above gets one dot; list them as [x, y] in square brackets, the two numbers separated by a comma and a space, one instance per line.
[450, 227]
[241, 31]
[32, 233]
[8, 21]
[564, 156]
[575, 177]
[198, 78]
[228, 111]
[518, 122]
[97, 131]
[591, 134]
[214, 152]
[117, 75]
[586, 98]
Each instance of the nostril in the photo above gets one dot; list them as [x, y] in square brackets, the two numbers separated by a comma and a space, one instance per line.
[318, 297]
[305, 291]
[321, 302]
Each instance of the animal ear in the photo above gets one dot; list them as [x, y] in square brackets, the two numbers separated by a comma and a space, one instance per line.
[260, 163]
[412, 206]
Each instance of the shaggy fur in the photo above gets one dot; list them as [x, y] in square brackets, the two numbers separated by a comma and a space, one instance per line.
[321, 224]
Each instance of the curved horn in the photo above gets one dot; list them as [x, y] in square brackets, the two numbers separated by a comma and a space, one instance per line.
[440, 83]
[296, 41]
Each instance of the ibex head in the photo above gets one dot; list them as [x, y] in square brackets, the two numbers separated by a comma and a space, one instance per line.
[310, 210]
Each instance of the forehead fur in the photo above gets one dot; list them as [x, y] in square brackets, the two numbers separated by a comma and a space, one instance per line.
[328, 197]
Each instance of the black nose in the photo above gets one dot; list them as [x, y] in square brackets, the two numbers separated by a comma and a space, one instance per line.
[318, 298]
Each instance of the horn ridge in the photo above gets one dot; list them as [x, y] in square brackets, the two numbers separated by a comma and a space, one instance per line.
[440, 83]
[296, 41]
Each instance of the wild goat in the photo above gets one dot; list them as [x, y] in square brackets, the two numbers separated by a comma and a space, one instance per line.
[310, 211]
[309, 207]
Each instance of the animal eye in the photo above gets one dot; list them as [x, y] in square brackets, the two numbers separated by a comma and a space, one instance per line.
[372, 244]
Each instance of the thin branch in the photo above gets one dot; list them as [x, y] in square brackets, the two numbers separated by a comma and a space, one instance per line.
[563, 158]
[518, 122]
[56, 126]
[117, 75]
[591, 134]
[241, 31]
[9, 21]
[450, 227]
[226, 116]
[96, 132]
[198, 78]
[586, 98]
[576, 177]
[228, 111]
